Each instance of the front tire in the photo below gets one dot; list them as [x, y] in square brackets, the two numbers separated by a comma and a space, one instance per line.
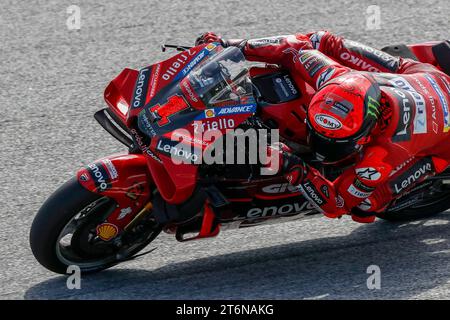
[71, 202]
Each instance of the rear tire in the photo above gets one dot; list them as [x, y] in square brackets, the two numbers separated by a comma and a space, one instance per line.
[419, 211]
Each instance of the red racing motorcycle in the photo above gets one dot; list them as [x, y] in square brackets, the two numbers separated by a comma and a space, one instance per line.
[113, 208]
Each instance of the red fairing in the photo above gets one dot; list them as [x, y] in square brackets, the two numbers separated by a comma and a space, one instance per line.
[119, 92]
[289, 116]
[122, 177]
[152, 79]
[424, 52]
[176, 182]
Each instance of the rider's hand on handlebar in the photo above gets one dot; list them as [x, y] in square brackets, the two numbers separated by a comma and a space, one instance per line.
[292, 167]
[209, 37]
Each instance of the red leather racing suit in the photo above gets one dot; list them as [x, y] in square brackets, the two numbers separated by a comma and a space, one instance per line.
[413, 140]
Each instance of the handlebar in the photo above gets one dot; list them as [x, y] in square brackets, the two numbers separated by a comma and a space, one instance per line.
[174, 46]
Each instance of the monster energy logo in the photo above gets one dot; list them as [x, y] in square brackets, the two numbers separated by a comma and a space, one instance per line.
[373, 106]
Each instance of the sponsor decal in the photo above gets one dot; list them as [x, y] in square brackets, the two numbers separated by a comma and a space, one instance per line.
[179, 63]
[420, 115]
[286, 85]
[155, 78]
[339, 107]
[227, 111]
[365, 205]
[361, 186]
[416, 172]
[135, 191]
[432, 102]
[210, 113]
[145, 149]
[446, 84]
[176, 135]
[325, 191]
[145, 124]
[358, 193]
[313, 66]
[403, 130]
[305, 55]
[250, 108]
[196, 60]
[107, 231]
[379, 57]
[263, 42]
[189, 92]
[444, 103]
[174, 105]
[280, 188]
[290, 84]
[295, 53]
[100, 176]
[124, 212]
[315, 39]
[401, 83]
[401, 166]
[217, 124]
[327, 122]
[84, 177]
[177, 150]
[339, 202]
[357, 62]
[111, 169]
[286, 209]
[210, 46]
[319, 156]
[140, 89]
[324, 77]
[373, 105]
[313, 61]
[312, 194]
[368, 173]
[435, 127]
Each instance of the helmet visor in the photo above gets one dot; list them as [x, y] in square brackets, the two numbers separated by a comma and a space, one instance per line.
[328, 151]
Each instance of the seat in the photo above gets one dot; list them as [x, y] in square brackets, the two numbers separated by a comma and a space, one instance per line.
[441, 52]
[400, 50]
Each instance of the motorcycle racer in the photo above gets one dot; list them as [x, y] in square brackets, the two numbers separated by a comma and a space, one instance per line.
[387, 115]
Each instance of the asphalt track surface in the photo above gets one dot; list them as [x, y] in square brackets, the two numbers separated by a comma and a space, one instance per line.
[51, 83]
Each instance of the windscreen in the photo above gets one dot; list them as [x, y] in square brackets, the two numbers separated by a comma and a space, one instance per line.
[222, 79]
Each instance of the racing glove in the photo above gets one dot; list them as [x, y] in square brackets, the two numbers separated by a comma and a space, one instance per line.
[209, 37]
[297, 172]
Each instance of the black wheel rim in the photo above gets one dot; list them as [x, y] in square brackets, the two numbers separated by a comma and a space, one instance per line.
[77, 243]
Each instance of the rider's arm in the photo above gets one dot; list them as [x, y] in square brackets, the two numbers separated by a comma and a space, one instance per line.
[351, 189]
[294, 52]
[361, 57]
[351, 54]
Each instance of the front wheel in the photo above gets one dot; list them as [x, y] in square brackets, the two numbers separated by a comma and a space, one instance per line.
[63, 232]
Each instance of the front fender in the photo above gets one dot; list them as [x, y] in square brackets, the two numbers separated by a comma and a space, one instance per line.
[122, 177]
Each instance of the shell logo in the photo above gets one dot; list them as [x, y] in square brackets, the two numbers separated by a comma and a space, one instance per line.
[210, 46]
[107, 231]
[209, 113]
